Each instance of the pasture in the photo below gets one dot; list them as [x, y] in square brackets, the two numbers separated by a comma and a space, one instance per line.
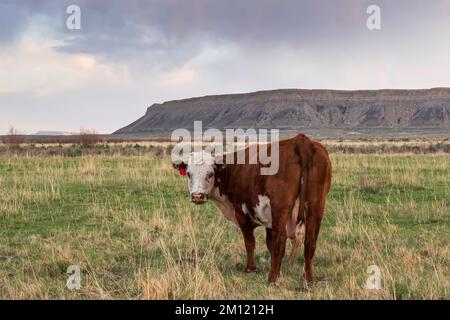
[127, 222]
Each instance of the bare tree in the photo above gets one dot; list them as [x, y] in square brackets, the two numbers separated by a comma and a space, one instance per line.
[89, 138]
[14, 138]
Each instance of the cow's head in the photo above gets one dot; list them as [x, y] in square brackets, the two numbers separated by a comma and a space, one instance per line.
[200, 169]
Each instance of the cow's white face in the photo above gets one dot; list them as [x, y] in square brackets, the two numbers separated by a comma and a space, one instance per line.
[200, 172]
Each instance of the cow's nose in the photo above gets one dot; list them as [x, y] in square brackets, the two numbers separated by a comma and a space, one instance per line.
[198, 197]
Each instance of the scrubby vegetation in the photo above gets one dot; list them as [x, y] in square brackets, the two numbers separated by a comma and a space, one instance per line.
[76, 150]
[91, 144]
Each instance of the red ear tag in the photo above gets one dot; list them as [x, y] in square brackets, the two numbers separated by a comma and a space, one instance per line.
[182, 172]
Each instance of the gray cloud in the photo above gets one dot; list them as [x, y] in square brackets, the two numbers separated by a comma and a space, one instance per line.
[118, 29]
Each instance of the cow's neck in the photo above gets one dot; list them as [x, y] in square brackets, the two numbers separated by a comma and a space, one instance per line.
[221, 200]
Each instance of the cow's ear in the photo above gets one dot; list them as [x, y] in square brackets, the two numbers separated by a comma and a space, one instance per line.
[180, 166]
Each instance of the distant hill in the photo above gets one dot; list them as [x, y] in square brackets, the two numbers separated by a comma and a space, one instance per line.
[383, 111]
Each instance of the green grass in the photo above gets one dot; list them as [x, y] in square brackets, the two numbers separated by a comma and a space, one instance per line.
[129, 225]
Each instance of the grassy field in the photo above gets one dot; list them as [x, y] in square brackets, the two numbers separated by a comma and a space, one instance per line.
[127, 222]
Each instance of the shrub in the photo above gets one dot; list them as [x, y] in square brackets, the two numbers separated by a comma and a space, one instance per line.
[169, 149]
[159, 151]
[13, 139]
[89, 138]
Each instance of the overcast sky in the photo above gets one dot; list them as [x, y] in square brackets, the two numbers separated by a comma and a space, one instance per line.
[130, 54]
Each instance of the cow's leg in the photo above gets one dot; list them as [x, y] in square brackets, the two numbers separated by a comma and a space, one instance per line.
[249, 238]
[278, 237]
[314, 214]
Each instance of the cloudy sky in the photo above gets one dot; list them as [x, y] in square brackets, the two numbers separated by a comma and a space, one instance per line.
[130, 54]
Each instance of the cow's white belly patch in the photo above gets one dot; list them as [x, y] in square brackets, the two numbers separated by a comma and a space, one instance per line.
[263, 212]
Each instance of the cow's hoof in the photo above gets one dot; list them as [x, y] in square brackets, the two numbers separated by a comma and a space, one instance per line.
[251, 270]
[308, 279]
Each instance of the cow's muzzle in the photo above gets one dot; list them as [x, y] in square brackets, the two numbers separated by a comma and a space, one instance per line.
[199, 197]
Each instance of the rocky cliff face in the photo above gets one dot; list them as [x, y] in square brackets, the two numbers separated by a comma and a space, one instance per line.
[296, 109]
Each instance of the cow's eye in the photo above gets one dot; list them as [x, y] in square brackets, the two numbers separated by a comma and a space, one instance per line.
[210, 175]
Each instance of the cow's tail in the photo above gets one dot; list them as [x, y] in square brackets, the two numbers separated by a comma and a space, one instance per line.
[304, 149]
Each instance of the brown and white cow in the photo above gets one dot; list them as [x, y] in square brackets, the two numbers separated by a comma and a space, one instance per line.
[284, 203]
